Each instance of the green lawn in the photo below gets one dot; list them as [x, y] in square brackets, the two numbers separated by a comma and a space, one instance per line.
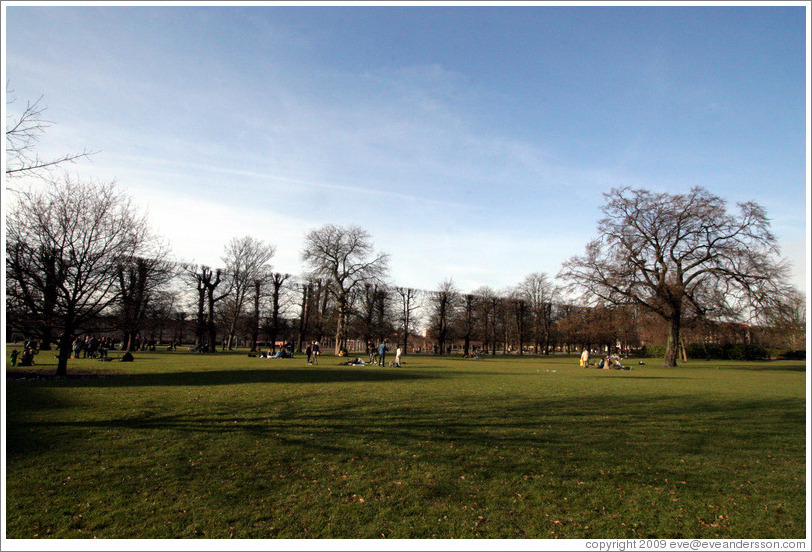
[227, 446]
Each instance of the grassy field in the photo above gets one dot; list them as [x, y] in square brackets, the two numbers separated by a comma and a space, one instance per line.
[227, 446]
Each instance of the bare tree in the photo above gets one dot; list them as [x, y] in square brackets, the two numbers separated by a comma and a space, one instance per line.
[206, 280]
[200, 306]
[245, 260]
[468, 322]
[23, 133]
[678, 253]
[344, 256]
[539, 292]
[275, 323]
[787, 318]
[306, 290]
[518, 308]
[139, 280]
[487, 305]
[444, 304]
[409, 304]
[369, 296]
[63, 259]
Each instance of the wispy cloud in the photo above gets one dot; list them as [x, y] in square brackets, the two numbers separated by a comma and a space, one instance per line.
[226, 123]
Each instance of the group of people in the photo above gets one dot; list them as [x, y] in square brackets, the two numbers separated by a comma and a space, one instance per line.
[92, 347]
[285, 351]
[377, 355]
[606, 362]
[26, 358]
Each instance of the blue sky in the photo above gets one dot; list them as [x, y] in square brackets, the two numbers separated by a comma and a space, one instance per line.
[473, 143]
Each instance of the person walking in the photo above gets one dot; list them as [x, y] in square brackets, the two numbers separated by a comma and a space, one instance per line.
[13, 355]
[398, 351]
[309, 352]
[316, 352]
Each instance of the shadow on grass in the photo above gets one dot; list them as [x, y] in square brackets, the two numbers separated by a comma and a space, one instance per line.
[227, 377]
[678, 425]
[624, 376]
[767, 368]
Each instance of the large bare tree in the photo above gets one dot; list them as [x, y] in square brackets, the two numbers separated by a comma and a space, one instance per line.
[538, 292]
[679, 254]
[275, 319]
[65, 243]
[140, 280]
[487, 305]
[409, 304]
[345, 257]
[444, 304]
[246, 259]
[206, 280]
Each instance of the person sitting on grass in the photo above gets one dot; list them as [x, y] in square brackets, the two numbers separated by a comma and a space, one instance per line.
[619, 366]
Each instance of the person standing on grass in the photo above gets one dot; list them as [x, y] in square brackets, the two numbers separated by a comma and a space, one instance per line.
[13, 356]
[309, 352]
[585, 359]
[77, 347]
[27, 358]
[382, 348]
[315, 352]
[398, 351]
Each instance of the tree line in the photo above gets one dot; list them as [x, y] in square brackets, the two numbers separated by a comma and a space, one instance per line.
[80, 258]
[99, 268]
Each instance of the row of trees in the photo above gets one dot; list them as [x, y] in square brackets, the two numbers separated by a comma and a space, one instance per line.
[81, 258]
[99, 268]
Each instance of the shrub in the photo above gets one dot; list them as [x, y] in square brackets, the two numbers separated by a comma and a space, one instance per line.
[788, 354]
[652, 351]
[730, 351]
[747, 352]
[706, 351]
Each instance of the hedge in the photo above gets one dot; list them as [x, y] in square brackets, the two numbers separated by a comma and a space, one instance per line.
[730, 351]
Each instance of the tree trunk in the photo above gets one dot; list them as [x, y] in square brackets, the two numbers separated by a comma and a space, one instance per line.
[303, 319]
[232, 331]
[200, 328]
[129, 341]
[46, 335]
[520, 329]
[406, 331]
[672, 345]
[211, 329]
[65, 350]
[340, 327]
[255, 321]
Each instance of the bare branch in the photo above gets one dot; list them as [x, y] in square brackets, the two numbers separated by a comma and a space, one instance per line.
[23, 133]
